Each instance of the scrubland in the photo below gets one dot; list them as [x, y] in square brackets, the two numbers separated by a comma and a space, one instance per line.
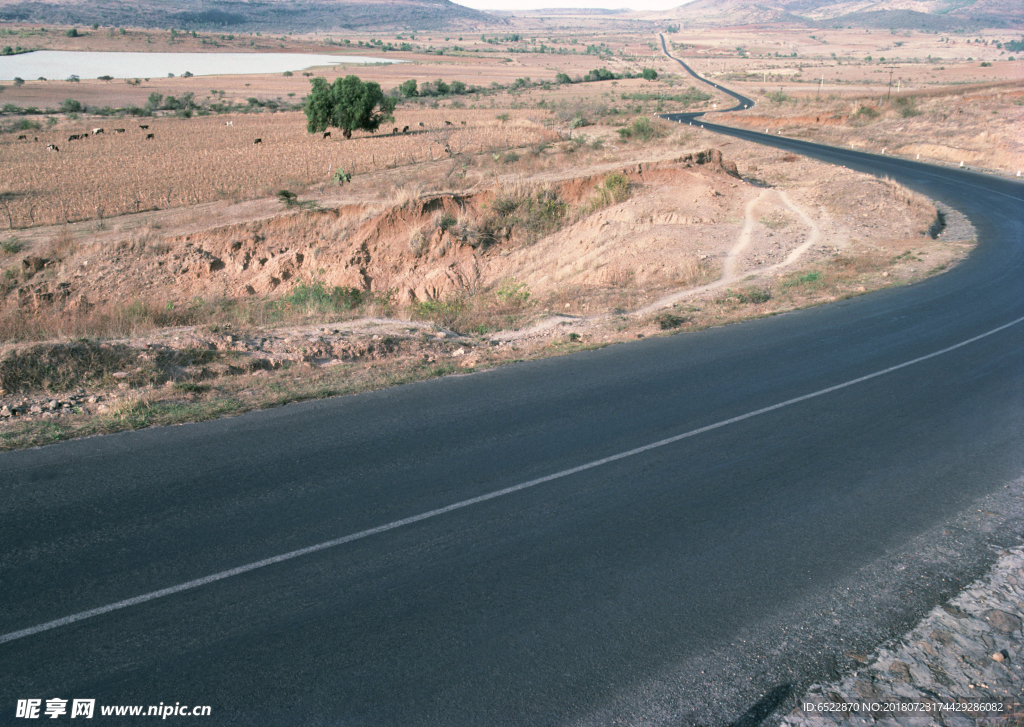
[169, 279]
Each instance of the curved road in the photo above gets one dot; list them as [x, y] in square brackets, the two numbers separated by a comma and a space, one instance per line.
[705, 580]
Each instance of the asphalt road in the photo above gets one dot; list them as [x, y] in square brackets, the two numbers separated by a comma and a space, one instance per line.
[703, 581]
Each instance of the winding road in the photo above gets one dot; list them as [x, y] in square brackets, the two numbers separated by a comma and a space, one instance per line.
[683, 530]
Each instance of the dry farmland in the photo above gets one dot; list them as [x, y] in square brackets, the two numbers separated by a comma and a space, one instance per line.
[189, 161]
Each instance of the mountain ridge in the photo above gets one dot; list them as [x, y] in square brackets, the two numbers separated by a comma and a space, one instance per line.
[913, 14]
[259, 15]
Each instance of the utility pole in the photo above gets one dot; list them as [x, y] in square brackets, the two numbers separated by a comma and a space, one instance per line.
[891, 70]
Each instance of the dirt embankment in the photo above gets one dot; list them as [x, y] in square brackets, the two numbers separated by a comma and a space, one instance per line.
[196, 321]
[426, 249]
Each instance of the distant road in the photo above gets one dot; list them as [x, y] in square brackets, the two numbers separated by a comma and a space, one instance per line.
[682, 530]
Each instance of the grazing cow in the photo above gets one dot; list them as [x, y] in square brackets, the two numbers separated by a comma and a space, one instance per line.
[394, 131]
[258, 141]
[97, 132]
[74, 137]
[52, 147]
[422, 124]
[447, 123]
[327, 135]
[347, 133]
[405, 130]
[22, 138]
[118, 131]
[229, 123]
[150, 136]
[143, 126]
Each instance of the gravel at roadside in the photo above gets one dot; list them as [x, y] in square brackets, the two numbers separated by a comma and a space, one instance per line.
[966, 652]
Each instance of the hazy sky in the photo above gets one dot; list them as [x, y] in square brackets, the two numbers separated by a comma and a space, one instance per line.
[527, 4]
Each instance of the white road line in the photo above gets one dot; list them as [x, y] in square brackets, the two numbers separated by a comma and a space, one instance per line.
[189, 585]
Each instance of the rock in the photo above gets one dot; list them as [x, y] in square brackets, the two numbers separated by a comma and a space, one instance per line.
[36, 409]
[93, 399]
[120, 375]
[998, 656]
[52, 404]
[1003, 621]
[900, 671]
[5, 412]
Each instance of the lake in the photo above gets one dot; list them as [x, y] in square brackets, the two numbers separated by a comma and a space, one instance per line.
[57, 65]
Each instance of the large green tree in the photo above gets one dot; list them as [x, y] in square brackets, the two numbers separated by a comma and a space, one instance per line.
[347, 104]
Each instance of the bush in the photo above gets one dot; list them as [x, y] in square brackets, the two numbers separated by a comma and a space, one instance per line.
[907, 107]
[599, 74]
[642, 130]
[614, 189]
[70, 106]
[669, 321]
[649, 74]
[316, 296]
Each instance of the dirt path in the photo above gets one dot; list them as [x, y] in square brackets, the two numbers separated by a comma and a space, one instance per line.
[729, 268]
[730, 275]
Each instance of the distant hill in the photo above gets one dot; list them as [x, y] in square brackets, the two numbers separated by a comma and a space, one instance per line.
[919, 14]
[273, 16]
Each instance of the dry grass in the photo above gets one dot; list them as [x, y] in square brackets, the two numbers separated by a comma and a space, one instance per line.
[62, 366]
[190, 161]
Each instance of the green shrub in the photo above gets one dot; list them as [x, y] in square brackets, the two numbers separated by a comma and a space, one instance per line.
[669, 321]
[316, 296]
[907, 106]
[513, 293]
[642, 130]
[614, 189]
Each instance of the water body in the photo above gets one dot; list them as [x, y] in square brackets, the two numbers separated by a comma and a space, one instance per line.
[57, 65]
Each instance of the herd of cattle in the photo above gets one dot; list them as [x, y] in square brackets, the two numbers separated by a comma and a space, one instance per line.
[145, 127]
